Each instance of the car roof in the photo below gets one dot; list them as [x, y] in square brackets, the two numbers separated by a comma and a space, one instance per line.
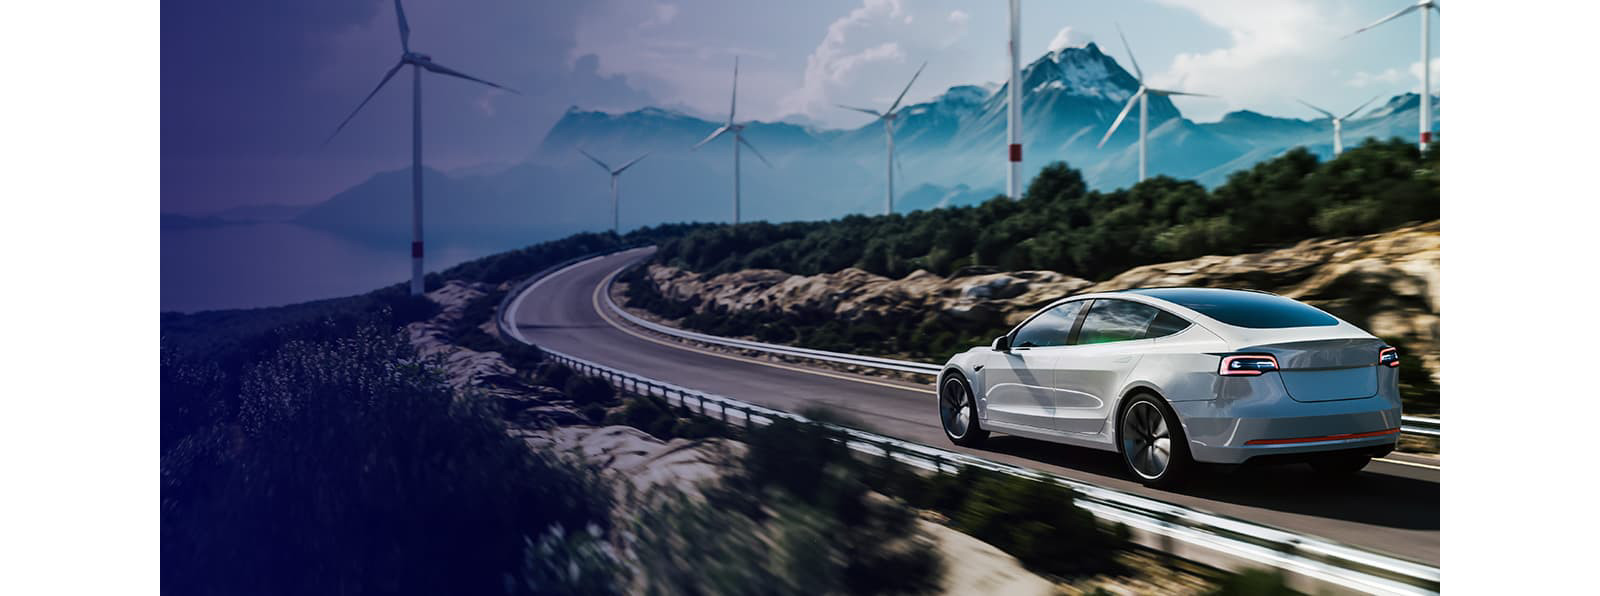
[1173, 299]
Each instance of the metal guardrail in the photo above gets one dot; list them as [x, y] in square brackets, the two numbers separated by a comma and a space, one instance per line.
[1210, 538]
[1411, 425]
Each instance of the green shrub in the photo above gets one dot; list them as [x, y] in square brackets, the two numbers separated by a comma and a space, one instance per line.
[1253, 582]
[352, 468]
[552, 374]
[594, 413]
[589, 390]
[1038, 523]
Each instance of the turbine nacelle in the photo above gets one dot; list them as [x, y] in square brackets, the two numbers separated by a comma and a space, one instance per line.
[415, 58]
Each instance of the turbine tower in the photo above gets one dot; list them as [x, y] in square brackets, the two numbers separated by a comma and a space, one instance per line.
[888, 117]
[1014, 103]
[738, 139]
[1426, 6]
[1142, 96]
[614, 174]
[1338, 122]
[418, 62]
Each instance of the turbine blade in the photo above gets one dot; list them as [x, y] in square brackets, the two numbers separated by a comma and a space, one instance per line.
[714, 134]
[630, 164]
[385, 81]
[441, 69]
[595, 159]
[1308, 104]
[1118, 122]
[733, 104]
[1171, 92]
[740, 139]
[1397, 14]
[914, 76]
[862, 110]
[1129, 48]
[1368, 103]
[405, 28]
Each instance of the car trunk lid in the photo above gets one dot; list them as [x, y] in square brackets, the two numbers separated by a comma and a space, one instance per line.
[1327, 370]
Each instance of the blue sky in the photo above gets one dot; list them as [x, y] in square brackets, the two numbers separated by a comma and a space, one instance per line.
[249, 91]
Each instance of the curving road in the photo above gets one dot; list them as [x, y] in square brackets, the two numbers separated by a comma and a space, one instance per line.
[1391, 507]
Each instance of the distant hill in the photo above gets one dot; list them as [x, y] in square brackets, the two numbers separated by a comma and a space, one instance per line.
[950, 147]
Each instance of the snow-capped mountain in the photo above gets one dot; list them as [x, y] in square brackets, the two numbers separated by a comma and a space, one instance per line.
[951, 150]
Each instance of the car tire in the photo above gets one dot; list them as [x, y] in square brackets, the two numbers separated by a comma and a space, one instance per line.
[1340, 465]
[1151, 442]
[958, 412]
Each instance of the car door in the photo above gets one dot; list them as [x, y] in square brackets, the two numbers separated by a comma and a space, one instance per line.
[1020, 382]
[1105, 350]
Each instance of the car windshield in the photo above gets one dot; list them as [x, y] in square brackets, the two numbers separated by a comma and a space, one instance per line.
[1241, 308]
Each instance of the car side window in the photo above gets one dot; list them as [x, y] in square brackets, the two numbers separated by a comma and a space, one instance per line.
[1116, 320]
[1051, 328]
[1165, 324]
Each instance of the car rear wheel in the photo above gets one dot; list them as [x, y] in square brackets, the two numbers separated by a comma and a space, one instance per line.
[958, 412]
[1152, 442]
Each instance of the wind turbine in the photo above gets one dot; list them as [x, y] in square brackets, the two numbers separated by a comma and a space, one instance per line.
[1143, 97]
[1338, 123]
[614, 174]
[1014, 103]
[888, 117]
[1426, 134]
[738, 139]
[419, 62]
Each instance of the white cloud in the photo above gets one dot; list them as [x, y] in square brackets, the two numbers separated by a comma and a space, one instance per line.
[837, 56]
[1062, 40]
[959, 17]
[663, 16]
[1276, 50]
[1394, 77]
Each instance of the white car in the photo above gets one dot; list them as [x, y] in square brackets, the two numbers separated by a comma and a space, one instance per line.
[1172, 376]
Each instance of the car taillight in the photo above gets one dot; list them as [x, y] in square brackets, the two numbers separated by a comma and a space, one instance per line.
[1389, 357]
[1247, 365]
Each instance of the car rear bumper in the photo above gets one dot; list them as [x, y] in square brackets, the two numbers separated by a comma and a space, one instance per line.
[1219, 434]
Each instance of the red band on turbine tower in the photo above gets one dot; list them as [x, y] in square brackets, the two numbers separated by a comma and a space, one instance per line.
[1016, 152]
[416, 250]
[1427, 137]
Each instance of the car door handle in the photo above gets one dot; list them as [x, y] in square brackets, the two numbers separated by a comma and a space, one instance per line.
[977, 368]
[1123, 359]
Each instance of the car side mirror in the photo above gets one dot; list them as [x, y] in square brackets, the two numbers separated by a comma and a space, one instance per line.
[1002, 343]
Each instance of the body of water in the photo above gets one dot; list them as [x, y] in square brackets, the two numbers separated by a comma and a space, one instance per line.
[272, 264]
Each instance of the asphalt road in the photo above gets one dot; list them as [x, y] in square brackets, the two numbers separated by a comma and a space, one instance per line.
[1392, 506]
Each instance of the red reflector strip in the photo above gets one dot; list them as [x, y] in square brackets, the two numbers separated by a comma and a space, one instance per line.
[416, 250]
[1016, 152]
[1380, 433]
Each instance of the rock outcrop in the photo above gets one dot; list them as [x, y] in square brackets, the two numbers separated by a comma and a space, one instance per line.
[1386, 283]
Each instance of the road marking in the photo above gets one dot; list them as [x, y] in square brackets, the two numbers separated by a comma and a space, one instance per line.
[598, 309]
[1407, 463]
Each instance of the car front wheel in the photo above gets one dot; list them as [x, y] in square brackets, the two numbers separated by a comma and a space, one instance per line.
[1152, 442]
[958, 412]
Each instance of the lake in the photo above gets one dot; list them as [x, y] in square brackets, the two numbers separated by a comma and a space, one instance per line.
[272, 264]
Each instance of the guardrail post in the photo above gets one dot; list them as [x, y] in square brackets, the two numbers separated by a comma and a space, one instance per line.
[724, 412]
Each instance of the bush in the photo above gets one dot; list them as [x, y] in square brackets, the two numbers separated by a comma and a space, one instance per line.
[552, 374]
[1061, 224]
[589, 390]
[807, 528]
[353, 469]
[1253, 582]
[1033, 521]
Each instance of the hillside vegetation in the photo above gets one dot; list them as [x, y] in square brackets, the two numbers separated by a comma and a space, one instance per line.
[1061, 225]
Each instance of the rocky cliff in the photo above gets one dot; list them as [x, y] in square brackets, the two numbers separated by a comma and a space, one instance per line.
[1386, 283]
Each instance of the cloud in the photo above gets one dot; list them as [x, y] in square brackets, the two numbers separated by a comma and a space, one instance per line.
[663, 16]
[1275, 49]
[837, 56]
[959, 17]
[1410, 77]
[1062, 40]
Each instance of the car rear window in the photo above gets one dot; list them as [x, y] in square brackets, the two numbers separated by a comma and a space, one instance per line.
[1241, 308]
